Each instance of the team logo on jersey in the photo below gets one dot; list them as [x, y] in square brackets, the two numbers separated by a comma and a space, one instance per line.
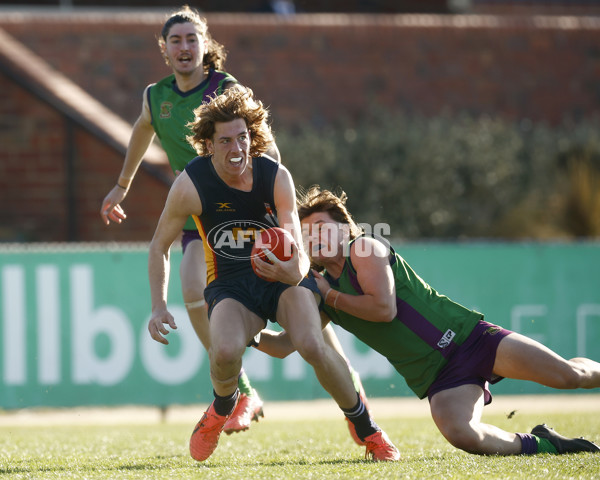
[446, 339]
[224, 207]
[165, 109]
[270, 215]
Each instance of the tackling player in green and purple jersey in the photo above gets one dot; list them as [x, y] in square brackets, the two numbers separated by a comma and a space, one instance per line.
[446, 352]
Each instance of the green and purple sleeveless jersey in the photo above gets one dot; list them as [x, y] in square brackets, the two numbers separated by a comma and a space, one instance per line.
[171, 110]
[427, 328]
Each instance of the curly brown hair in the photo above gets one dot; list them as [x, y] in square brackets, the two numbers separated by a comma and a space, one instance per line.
[235, 102]
[316, 200]
[215, 54]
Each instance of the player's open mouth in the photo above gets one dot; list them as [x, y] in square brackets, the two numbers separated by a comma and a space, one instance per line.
[236, 160]
[185, 59]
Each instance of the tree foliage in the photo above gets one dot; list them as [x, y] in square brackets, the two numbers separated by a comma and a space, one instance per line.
[455, 177]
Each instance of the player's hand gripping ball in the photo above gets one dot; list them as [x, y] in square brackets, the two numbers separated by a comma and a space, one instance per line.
[277, 240]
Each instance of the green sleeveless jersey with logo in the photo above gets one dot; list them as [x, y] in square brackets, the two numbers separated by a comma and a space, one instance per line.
[171, 110]
[427, 328]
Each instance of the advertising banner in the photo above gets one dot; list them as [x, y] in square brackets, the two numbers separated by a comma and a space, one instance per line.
[73, 325]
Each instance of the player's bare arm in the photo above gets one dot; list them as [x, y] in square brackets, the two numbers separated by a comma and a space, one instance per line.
[141, 138]
[370, 259]
[182, 202]
[275, 344]
[278, 344]
[285, 203]
[294, 270]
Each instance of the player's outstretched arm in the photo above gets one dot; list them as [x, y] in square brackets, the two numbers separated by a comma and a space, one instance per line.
[278, 344]
[182, 201]
[275, 344]
[141, 137]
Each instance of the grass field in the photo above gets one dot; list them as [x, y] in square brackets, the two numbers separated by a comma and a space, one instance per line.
[314, 444]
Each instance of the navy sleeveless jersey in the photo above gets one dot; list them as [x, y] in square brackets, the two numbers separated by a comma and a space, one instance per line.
[231, 218]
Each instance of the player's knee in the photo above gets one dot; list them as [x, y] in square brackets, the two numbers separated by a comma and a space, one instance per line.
[573, 377]
[225, 353]
[192, 294]
[571, 380]
[464, 438]
[311, 350]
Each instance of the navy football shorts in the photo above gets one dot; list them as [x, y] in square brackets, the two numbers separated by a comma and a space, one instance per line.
[257, 295]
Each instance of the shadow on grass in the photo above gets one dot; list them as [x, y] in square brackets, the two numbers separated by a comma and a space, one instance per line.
[176, 462]
[141, 464]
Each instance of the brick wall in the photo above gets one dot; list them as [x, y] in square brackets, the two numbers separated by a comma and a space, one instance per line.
[317, 69]
[306, 6]
[45, 199]
[322, 68]
[32, 167]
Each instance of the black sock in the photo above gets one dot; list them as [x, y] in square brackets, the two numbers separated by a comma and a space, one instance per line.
[224, 405]
[359, 416]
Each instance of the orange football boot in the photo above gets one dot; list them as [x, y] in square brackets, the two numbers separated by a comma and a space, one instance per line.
[248, 408]
[380, 448]
[205, 436]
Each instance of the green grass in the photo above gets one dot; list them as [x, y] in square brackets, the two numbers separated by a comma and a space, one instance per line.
[279, 450]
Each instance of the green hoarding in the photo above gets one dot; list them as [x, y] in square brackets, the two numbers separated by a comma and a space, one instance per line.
[73, 322]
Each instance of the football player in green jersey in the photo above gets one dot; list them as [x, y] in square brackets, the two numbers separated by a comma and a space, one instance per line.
[444, 351]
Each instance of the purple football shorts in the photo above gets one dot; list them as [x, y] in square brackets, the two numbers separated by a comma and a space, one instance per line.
[189, 236]
[473, 361]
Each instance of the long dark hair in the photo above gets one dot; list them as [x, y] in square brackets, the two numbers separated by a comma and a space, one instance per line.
[215, 55]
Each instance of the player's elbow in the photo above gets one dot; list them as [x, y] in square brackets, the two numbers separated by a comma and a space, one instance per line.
[384, 313]
[156, 252]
